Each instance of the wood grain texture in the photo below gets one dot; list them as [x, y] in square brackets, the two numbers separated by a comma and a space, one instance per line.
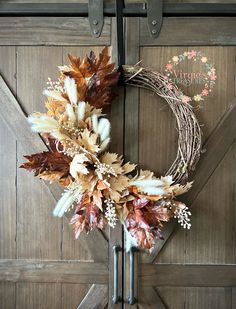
[191, 31]
[53, 271]
[73, 294]
[50, 31]
[218, 144]
[95, 298]
[8, 169]
[187, 275]
[7, 295]
[38, 296]
[35, 239]
[14, 116]
[217, 298]
[116, 116]
[131, 142]
[150, 299]
[173, 297]
[224, 92]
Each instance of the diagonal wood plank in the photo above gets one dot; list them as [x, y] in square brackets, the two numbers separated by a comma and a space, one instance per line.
[150, 299]
[15, 118]
[216, 147]
[97, 294]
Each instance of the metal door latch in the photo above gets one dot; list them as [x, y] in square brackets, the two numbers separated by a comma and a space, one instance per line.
[154, 16]
[95, 16]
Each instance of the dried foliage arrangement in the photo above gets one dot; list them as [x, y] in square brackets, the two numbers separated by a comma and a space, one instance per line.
[99, 187]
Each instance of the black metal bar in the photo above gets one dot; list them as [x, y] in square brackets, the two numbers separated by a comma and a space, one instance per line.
[120, 32]
[116, 298]
[130, 10]
[131, 298]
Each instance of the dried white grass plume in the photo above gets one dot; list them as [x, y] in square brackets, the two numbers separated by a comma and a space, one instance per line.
[81, 110]
[71, 89]
[69, 197]
[95, 123]
[104, 127]
[104, 144]
[56, 95]
[43, 124]
[70, 112]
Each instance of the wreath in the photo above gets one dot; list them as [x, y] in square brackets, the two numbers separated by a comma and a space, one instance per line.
[98, 186]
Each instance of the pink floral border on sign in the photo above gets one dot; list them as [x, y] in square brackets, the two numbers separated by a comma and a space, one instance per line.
[210, 80]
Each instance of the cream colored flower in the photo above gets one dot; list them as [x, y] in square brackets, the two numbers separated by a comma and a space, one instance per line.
[175, 58]
[77, 165]
[197, 98]
[204, 59]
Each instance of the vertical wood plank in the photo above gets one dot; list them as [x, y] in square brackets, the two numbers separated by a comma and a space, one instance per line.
[204, 298]
[38, 296]
[8, 165]
[73, 294]
[8, 174]
[38, 232]
[116, 116]
[173, 297]
[131, 139]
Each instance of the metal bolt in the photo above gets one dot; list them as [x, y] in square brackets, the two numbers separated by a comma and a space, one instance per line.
[95, 22]
[154, 22]
[154, 31]
[95, 31]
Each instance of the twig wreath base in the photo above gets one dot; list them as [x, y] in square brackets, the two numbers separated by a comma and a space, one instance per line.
[189, 139]
[99, 187]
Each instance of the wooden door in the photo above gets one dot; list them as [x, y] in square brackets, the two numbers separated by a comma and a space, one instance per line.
[190, 269]
[41, 265]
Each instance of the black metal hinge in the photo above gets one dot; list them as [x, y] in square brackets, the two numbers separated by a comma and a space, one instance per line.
[154, 16]
[95, 16]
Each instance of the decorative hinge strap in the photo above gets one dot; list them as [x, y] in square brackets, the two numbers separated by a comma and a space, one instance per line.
[95, 16]
[154, 16]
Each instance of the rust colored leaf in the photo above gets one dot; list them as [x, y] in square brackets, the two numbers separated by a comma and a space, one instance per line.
[144, 220]
[87, 216]
[95, 77]
[50, 165]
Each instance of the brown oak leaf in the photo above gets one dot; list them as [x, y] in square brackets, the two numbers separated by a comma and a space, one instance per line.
[87, 216]
[50, 165]
[94, 76]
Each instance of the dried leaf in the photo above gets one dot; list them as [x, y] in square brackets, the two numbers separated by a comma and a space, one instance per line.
[94, 77]
[50, 165]
[88, 140]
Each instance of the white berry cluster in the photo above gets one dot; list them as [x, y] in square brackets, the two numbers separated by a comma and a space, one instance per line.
[110, 212]
[183, 214]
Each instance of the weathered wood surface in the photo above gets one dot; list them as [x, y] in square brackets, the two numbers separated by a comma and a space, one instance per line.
[30, 231]
[53, 271]
[191, 31]
[211, 238]
[149, 299]
[31, 142]
[50, 31]
[95, 298]
[187, 275]
[217, 146]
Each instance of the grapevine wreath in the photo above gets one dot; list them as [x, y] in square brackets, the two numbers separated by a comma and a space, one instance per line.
[99, 187]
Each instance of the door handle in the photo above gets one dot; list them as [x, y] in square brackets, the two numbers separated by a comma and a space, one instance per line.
[131, 298]
[116, 298]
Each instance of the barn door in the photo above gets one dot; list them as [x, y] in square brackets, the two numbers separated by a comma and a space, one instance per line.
[41, 265]
[189, 269]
